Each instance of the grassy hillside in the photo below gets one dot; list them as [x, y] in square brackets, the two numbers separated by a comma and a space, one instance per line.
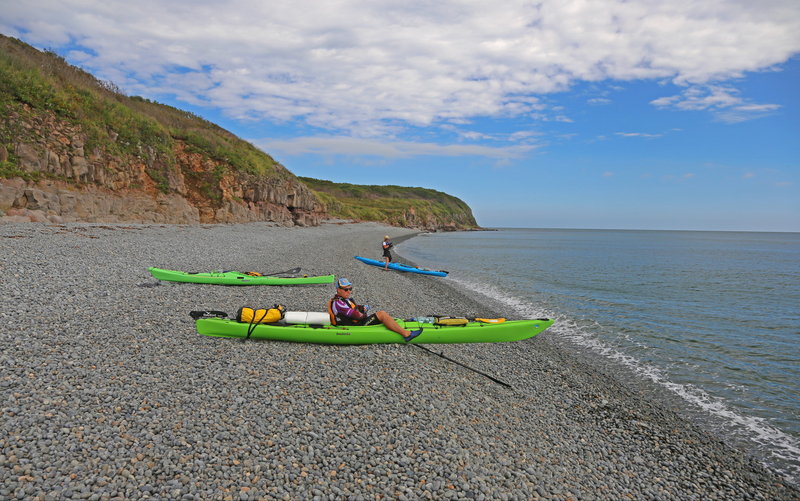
[32, 82]
[394, 205]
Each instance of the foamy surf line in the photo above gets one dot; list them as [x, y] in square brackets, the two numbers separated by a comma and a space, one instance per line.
[783, 449]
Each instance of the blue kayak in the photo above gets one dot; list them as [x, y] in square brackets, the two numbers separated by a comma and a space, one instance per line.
[401, 267]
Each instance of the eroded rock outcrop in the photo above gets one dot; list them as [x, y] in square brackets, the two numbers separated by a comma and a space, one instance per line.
[61, 179]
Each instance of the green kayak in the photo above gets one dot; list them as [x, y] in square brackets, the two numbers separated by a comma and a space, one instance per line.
[472, 332]
[235, 278]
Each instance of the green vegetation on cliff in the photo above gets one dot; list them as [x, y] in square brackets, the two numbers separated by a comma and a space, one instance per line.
[393, 205]
[33, 83]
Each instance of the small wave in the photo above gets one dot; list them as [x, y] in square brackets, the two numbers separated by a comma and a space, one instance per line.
[781, 447]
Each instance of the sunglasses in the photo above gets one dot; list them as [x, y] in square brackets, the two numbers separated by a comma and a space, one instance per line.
[348, 289]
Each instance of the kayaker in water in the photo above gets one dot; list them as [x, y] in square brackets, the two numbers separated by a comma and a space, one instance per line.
[387, 256]
[345, 311]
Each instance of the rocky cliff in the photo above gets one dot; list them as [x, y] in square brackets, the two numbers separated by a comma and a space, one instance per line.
[73, 148]
[58, 180]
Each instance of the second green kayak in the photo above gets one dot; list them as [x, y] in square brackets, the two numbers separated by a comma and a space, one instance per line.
[234, 278]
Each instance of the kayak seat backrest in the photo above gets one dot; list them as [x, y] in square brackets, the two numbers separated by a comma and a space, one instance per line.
[330, 312]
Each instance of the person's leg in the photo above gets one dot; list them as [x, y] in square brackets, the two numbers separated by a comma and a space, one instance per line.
[393, 326]
[390, 323]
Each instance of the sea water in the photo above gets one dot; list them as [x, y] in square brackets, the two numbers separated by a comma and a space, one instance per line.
[709, 319]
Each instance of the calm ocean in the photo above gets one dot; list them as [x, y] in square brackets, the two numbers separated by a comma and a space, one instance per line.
[709, 320]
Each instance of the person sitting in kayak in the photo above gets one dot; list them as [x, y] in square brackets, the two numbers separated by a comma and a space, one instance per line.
[387, 256]
[345, 311]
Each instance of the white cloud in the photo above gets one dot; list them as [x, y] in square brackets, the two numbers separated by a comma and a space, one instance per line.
[350, 146]
[723, 101]
[523, 135]
[520, 136]
[369, 67]
[746, 112]
[757, 108]
[701, 98]
[638, 134]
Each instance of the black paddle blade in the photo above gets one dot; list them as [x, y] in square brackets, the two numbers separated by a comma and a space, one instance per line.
[287, 272]
[198, 314]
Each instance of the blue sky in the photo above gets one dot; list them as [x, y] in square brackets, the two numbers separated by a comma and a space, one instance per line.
[577, 114]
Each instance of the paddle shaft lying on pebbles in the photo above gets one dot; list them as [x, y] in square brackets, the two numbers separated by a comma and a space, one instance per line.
[109, 393]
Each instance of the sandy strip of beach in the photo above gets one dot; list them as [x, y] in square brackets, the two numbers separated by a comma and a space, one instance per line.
[108, 392]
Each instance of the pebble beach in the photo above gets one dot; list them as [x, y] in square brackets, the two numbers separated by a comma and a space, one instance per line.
[108, 392]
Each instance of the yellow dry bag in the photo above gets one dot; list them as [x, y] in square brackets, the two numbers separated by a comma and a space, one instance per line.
[260, 316]
[451, 321]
